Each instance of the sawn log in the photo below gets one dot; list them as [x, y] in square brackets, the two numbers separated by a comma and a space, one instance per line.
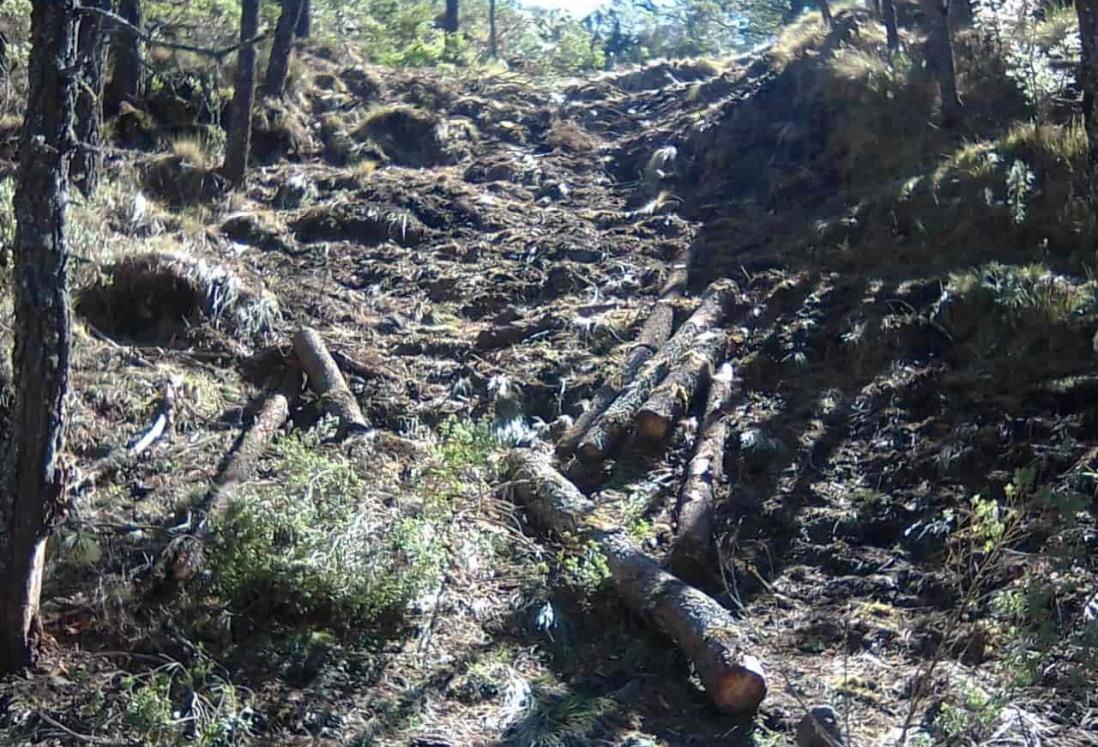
[704, 630]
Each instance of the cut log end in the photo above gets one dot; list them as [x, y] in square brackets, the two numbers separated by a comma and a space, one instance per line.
[742, 689]
[653, 427]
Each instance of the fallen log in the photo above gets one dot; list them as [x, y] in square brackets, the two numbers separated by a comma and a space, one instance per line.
[610, 428]
[653, 334]
[240, 463]
[182, 558]
[326, 380]
[693, 544]
[162, 423]
[704, 630]
[668, 401]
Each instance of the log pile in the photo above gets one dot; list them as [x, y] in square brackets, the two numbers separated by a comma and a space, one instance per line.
[702, 629]
[610, 428]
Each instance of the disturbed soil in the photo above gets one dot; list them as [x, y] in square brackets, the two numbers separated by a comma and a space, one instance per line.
[484, 249]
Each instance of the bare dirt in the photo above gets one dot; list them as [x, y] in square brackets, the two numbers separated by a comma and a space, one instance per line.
[493, 260]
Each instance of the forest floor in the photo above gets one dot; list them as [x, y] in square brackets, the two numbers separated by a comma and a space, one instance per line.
[478, 251]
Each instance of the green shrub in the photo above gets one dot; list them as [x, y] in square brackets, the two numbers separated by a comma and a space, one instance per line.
[316, 545]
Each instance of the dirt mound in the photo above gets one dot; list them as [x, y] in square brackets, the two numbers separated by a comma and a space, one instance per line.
[179, 182]
[408, 136]
[358, 222]
[161, 297]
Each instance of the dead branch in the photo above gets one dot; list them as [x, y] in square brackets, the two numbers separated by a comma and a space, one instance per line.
[217, 54]
[162, 423]
[326, 380]
[704, 630]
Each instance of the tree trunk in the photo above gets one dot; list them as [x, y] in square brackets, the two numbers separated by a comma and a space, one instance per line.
[825, 11]
[693, 547]
[126, 76]
[610, 428]
[326, 380]
[451, 21]
[653, 334]
[87, 161]
[939, 54]
[239, 141]
[670, 400]
[702, 629]
[304, 20]
[278, 64]
[888, 12]
[1088, 80]
[493, 41]
[34, 491]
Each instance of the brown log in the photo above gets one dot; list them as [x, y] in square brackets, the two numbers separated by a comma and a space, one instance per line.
[182, 558]
[653, 333]
[693, 545]
[610, 428]
[668, 401]
[704, 630]
[326, 380]
[240, 463]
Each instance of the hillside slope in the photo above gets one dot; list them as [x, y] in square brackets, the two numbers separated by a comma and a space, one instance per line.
[908, 507]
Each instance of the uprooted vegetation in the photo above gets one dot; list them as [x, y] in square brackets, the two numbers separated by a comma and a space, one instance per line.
[902, 522]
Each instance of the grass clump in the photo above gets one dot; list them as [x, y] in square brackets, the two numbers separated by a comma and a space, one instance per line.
[177, 705]
[317, 543]
[314, 545]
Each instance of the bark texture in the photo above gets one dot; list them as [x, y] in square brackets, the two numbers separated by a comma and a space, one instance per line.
[653, 334]
[304, 20]
[704, 630]
[693, 546]
[326, 380]
[493, 40]
[87, 161]
[278, 64]
[1088, 79]
[892, 33]
[939, 54]
[452, 20]
[670, 400]
[33, 498]
[610, 428]
[240, 127]
[126, 48]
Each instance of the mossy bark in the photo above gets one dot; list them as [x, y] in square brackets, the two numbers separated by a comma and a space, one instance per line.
[240, 127]
[278, 64]
[33, 497]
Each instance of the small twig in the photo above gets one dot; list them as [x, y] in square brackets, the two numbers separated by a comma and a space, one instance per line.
[217, 54]
[86, 738]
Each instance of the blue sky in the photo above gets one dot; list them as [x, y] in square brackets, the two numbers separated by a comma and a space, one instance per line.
[579, 7]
